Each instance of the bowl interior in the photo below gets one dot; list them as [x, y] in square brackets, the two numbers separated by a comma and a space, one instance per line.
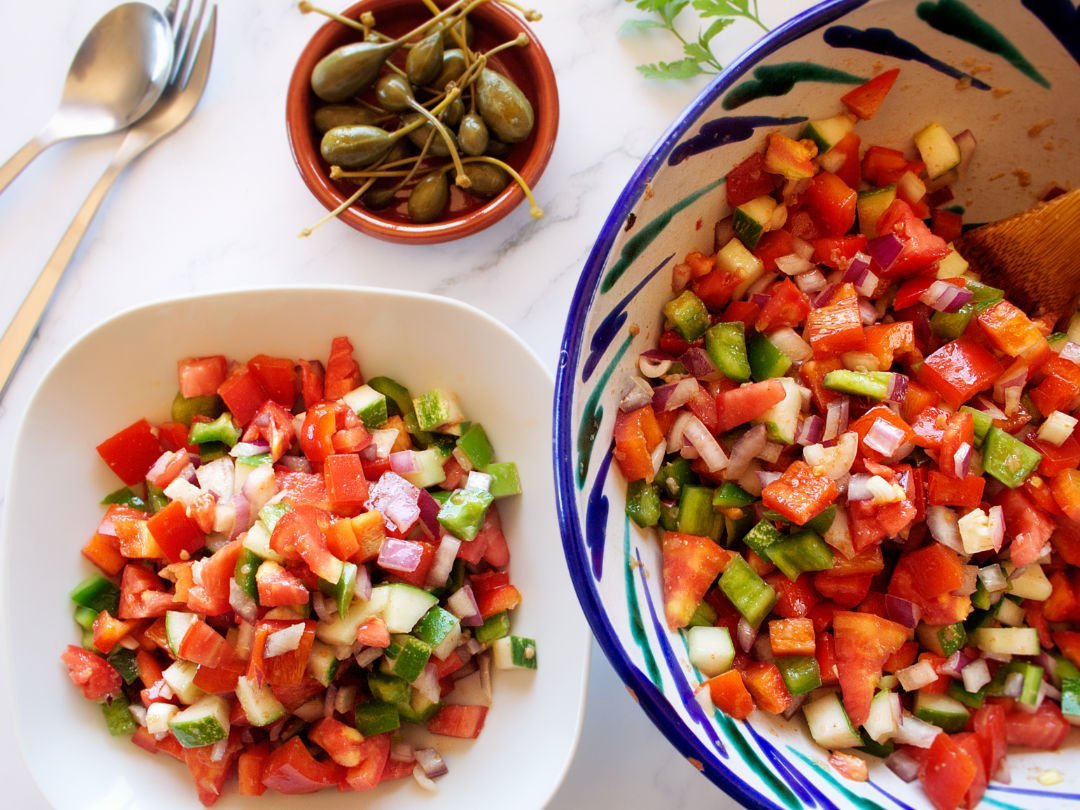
[669, 208]
[528, 67]
[126, 369]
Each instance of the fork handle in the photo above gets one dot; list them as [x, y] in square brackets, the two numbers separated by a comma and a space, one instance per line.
[21, 159]
[22, 328]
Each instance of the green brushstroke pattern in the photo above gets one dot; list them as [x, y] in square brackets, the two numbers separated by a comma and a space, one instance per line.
[778, 80]
[593, 414]
[633, 609]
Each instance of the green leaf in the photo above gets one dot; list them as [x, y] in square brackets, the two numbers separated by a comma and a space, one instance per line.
[722, 8]
[683, 69]
[649, 5]
[714, 29]
[671, 9]
[697, 52]
[641, 26]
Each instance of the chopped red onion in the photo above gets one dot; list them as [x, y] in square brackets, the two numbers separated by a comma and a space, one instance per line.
[916, 676]
[1071, 352]
[400, 555]
[944, 529]
[746, 634]
[788, 341]
[976, 675]
[867, 314]
[431, 762]
[811, 281]
[952, 665]
[404, 462]
[427, 683]
[243, 604]
[345, 699]
[444, 561]
[990, 408]
[745, 450]
[1010, 386]
[242, 516]
[992, 577]
[905, 766]
[429, 511]
[823, 297]
[766, 477]
[962, 460]
[762, 650]
[796, 704]
[771, 452]
[898, 388]
[859, 274]
[970, 581]
[793, 264]
[638, 394]
[885, 250]
[402, 751]
[1048, 663]
[658, 454]
[259, 487]
[1048, 690]
[705, 444]
[761, 299]
[674, 395]
[462, 603]
[483, 663]
[749, 480]
[368, 656]
[811, 430]
[946, 297]
[329, 700]
[1003, 774]
[396, 499]
[884, 437]
[248, 449]
[362, 589]
[836, 418]
[1014, 684]
[325, 608]
[217, 753]
[902, 611]
[802, 247]
[965, 142]
[723, 232]
[697, 362]
[913, 731]
[859, 488]
[217, 476]
[652, 367]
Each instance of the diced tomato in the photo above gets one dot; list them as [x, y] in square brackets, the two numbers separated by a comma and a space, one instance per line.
[176, 534]
[222, 679]
[174, 436]
[845, 590]
[302, 489]
[142, 594]
[793, 599]
[242, 394]
[95, 676]
[1060, 387]
[250, 767]
[496, 549]
[792, 637]
[882, 166]
[131, 452]
[748, 181]
[825, 653]
[837, 251]
[201, 644]
[299, 534]
[771, 246]
[766, 685]
[740, 405]
[201, 376]
[850, 171]
[799, 494]
[311, 381]
[831, 203]
[346, 486]
[1056, 458]
[921, 248]
[418, 576]
[789, 158]
[1063, 603]
[703, 406]
[374, 753]
[1028, 528]
[496, 600]
[108, 631]
[277, 587]
[863, 642]
[273, 424]
[342, 370]
[946, 224]
[292, 770]
[835, 328]
[210, 772]
[866, 99]
[959, 370]
[285, 669]
[691, 565]
[1011, 331]
[636, 435]
[745, 311]
[787, 306]
[947, 774]
[930, 589]
[887, 340]
[104, 552]
[918, 399]
[343, 743]
[865, 423]
[1044, 729]
[372, 632]
[948, 491]
[277, 376]
[715, 290]
[730, 695]
[1068, 641]
[989, 726]
[458, 721]
[212, 596]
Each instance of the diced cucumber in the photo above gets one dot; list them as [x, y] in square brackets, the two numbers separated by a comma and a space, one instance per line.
[341, 629]
[643, 503]
[158, 715]
[1029, 583]
[376, 718]
[937, 149]
[751, 219]
[782, 419]
[829, 723]
[942, 639]
[515, 652]
[711, 650]
[369, 405]
[203, 723]
[1032, 681]
[493, 628]
[405, 605]
[943, 711]
[736, 259]
[406, 657]
[828, 132]
[704, 616]
[322, 663]
[872, 384]
[343, 590]
[688, 315]
[84, 617]
[983, 422]
[883, 721]
[259, 703]
[418, 709]
[1008, 459]
[870, 205]
[1008, 640]
[476, 446]
[257, 541]
[388, 688]
[437, 409]
[1070, 698]
[726, 344]
[801, 552]
[439, 629]
[695, 510]
[176, 626]
[269, 516]
[180, 676]
[953, 265]
[429, 468]
[801, 673]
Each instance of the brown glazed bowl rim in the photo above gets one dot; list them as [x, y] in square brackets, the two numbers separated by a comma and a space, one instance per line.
[305, 148]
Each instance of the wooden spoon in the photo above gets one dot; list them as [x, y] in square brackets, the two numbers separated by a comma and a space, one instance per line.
[1034, 256]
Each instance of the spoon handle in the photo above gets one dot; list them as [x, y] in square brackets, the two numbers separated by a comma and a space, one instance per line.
[23, 326]
[21, 159]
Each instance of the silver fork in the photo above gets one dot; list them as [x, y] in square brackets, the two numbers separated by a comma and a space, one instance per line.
[194, 48]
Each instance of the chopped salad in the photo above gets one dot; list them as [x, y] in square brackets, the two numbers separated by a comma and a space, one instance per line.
[302, 571]
[862, 462]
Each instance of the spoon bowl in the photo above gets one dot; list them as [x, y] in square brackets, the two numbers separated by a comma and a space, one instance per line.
[117, 75]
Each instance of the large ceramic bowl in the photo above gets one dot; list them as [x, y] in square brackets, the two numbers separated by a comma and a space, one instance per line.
[126, 368]
[1024, 59]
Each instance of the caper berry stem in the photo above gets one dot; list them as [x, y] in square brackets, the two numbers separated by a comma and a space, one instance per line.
[465, 6]
[306, 232]
[535, 211]
[460, 179]
[419, 122]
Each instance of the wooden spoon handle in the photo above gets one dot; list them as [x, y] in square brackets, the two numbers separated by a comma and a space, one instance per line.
[1035, 255]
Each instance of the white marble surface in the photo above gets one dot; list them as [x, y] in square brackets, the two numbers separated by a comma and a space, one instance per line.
[219, 204]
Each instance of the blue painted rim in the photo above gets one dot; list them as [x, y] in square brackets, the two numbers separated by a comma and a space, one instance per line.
[652, 701]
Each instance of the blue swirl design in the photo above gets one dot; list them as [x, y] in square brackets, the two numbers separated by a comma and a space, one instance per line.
[807, 790]
[722, 131]
[1062, 19]
[854, 798]
[1042, 794]
[609, 327]
[596, 514]
[885, 42]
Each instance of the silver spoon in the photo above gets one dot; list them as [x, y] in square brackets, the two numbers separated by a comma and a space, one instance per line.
[115, 78]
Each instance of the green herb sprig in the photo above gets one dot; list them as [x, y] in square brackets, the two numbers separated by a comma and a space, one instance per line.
[698, 58]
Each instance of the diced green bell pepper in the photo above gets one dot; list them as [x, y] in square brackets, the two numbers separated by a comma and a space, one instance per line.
[399, 402]
[951, 325]
[982, 422]
[494, 627]
[730, 495]
[84, 617]
[973, 700]
[643, 503]
[124, 497]
[211, 451]
[983, 295]
[669, 516]
[801, 673]
[673, 475]
[804, 551]
[704, 616]
[123, 661]
[752, 596]
[388, 688]
[942, 639]
[342, 591]
[155, 498]
[97, 593]
[726, 345]
[760, 538]
[255, 461]
[766, 361]
[184, 410]
[688, 315]
[463, 513]
[375, 718]
[1032, 674]
[872, 384]
[118, 718]
[695, 510]
[504, 479]
[1008, 459]
[476, 446]
[823, 520]
[221, 430]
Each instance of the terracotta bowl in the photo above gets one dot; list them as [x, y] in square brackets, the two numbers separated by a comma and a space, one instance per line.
[529, 68]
